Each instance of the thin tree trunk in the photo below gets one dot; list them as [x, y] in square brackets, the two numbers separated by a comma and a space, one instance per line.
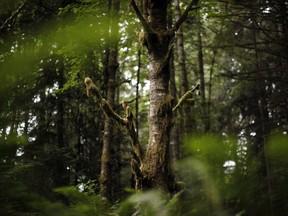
[283, 62]
[184, 84]
[210, 92]
[60, 175]
[263, 130]
[174, 142]
[106, 160]
[181, 52]
[137, 91]
[202, 78]
[78, 145]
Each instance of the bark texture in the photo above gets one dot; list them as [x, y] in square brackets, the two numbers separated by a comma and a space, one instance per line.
[106, 160]
[184, 84]
[174, 137]
[158, 39]
[202, 78]
[155, 166]
[152, 169]
[60, 174]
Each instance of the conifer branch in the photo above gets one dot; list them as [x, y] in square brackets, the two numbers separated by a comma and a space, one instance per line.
[186, 96]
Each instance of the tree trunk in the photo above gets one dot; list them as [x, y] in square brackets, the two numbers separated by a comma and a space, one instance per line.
[202, 78]
[155, 166]
[174, 142]
[262, 120]
[154, 170]
[106, 160]
[184, 84]
[60, 174]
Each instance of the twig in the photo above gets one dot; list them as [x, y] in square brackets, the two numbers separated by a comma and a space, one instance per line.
[187, 95]
[132, 100]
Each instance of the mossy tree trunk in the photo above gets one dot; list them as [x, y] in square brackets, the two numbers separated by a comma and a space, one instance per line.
[158, 40]
[152, 170]
[112, 67]
[155, 166]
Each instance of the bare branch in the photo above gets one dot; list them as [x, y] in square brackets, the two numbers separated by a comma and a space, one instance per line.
[145, 24]
[132, 100]
[186, 96]
[13, 15]
[185, 14]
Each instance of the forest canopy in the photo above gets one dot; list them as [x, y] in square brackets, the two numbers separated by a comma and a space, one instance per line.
[151, 107]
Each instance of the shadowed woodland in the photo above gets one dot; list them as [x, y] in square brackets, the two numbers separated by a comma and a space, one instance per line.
[144, 107]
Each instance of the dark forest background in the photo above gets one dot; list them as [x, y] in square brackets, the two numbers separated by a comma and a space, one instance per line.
[229, 144]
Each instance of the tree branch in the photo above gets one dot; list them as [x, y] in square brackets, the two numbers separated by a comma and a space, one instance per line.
[167, 57]
[145, 24]
[104, 105]
[13, 15]
[185, 14]
[187, 95]
[107, 109]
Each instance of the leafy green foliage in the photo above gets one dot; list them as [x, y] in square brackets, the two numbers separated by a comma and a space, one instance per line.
[219, 175]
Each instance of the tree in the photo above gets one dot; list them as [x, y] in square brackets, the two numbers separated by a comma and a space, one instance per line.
[112, 67]
[51, 136]
[152, 169]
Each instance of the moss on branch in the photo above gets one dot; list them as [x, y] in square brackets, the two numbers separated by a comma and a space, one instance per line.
[92, 90]
[188, 95]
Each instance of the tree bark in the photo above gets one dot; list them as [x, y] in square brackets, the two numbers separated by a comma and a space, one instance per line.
[158, 40]
[152, 170]
[155, 166]
[106, 160]
[174, 142]
[202, 78]
[184, 84]
[60, 174]
[262, 119]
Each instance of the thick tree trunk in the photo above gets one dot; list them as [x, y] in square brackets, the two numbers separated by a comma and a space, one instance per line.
[152, 170]
[155, 166]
